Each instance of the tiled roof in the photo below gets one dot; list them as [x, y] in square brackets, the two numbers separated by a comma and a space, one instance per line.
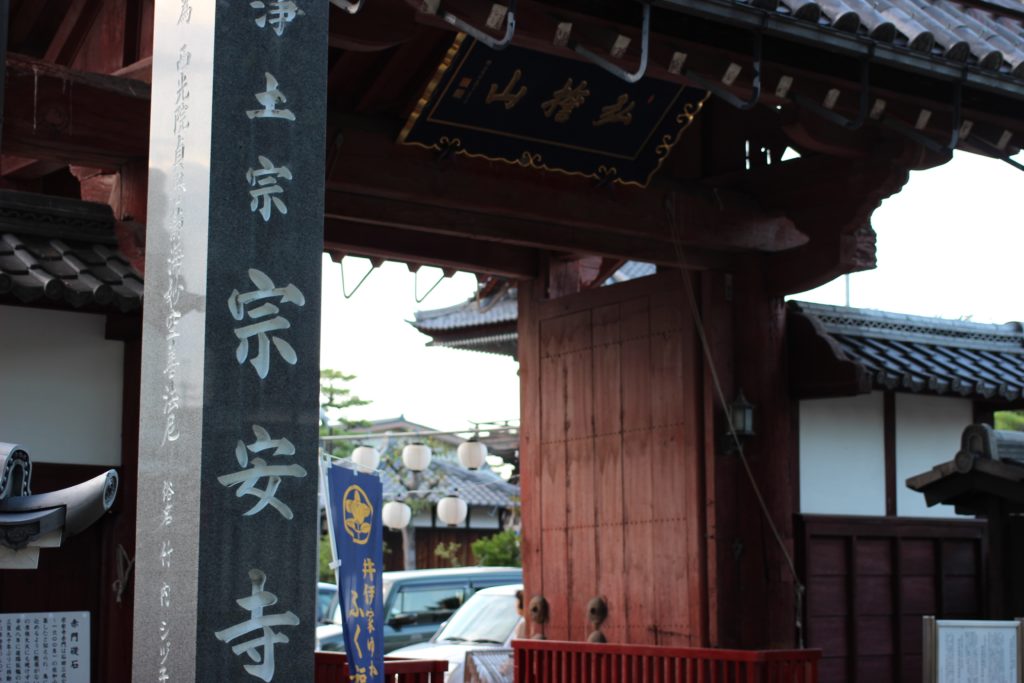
[480, 487]
[63, 251]
[501, 308]
[489, 325]
[985, 34]
[920, 354]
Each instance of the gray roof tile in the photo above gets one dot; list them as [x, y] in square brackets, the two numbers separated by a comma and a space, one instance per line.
[63, 251]
[480, 487]
[930, 355]
[989, 34]
[502, 307]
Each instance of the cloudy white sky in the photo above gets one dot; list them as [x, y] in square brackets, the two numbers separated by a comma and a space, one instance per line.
[951, 245]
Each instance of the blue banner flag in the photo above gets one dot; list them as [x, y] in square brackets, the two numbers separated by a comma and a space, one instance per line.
[355, 501]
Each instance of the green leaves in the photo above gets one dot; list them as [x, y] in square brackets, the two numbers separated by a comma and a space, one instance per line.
[499, 550]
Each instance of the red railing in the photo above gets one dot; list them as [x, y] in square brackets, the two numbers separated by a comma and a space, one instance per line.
[332, 667]
[550, 661]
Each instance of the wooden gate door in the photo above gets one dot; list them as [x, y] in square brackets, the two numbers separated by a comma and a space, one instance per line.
[611, 460]
[871, 579]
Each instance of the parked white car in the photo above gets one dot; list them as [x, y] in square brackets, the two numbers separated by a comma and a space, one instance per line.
[488, 620]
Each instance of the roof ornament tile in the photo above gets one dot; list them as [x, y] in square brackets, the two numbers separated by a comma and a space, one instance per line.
[46, 520]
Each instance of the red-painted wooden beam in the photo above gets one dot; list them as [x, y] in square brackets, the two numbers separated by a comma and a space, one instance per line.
[347, 237]
[56, 113]
[561, 212]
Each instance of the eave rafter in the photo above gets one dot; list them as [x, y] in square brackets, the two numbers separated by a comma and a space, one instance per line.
[410, 189]
[61, 114]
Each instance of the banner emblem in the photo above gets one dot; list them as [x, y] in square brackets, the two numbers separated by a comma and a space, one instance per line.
[358, 513]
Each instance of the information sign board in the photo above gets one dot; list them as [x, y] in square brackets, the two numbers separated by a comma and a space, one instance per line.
[972, 651]
[44, 646]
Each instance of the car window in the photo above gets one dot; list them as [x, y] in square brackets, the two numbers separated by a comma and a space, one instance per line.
[490, 581]
[323, 603]
[484, 619]
[430, 605]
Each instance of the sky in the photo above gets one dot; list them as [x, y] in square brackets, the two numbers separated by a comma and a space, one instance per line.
[950, 245]
[367, 335]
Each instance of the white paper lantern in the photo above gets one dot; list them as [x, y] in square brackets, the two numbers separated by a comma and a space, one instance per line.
[366, 458]
[396, 515]
[452, 510]
[472, 454]
[416, 457]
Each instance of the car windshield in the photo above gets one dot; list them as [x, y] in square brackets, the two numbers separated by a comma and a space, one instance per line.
[324, 597]
[483, 619]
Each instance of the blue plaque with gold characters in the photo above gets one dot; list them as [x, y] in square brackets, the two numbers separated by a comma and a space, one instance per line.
[355, 510]
[540, 111]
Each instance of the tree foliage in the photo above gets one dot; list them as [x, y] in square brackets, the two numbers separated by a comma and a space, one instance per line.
[499, 550]
[1011, 420]
[449, 552]
[335, 397]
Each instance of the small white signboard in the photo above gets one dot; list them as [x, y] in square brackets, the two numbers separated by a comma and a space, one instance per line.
[963, 651]
[48, 647]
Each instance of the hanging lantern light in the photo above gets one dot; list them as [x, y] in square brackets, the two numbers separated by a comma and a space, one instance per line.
[396, 514]
[366, 458]
[742, 412]
[472, 454]
[452, 510]
[416, 457]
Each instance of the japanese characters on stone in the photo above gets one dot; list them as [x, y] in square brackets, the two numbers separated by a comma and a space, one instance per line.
[259, 649]
[257, 477]
[265, 320]
[171, 395]
[249, 477]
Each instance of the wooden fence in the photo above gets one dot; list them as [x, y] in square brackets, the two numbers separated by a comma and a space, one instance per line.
[548, 661]
[332, 667]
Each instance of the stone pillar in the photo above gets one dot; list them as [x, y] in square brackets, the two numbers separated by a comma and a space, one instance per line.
[226, 552]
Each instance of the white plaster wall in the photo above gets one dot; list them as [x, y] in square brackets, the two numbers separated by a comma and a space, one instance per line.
[60, 386]
[842, 456]
[484, 518]
[928, 432]
[424, 518]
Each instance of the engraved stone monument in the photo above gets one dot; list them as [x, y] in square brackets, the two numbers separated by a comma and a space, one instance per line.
[226, 548]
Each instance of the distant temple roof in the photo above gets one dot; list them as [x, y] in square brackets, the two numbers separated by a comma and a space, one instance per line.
[836, 350]
[63, 252]
[482, 488]
[489, 324]
[445, 474]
